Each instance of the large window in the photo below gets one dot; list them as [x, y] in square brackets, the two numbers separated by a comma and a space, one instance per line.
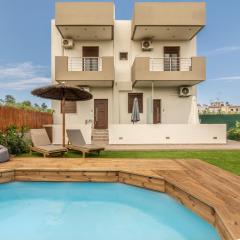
[90, 58]
[70, 107]
[171, 58]
[131, 97]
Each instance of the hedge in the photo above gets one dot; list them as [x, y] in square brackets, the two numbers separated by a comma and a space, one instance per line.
[229, 119]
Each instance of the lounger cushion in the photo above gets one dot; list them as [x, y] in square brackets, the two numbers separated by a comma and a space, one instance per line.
[39, 137]
[93, 147]
[86, 147]
[77, 141]
[75, 137]
[52, 148]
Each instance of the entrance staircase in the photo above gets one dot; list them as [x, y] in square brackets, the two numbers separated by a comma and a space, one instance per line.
[100, 136]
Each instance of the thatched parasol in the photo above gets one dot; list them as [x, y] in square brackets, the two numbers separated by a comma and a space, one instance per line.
[64, 93]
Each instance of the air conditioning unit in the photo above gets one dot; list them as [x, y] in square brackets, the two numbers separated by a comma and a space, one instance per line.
[67, 43]
[147, 45]
[185, 91]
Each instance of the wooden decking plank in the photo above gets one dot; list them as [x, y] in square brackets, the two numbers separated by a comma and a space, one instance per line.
[183, 181]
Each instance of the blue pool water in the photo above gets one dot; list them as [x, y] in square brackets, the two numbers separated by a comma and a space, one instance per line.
[95, 211]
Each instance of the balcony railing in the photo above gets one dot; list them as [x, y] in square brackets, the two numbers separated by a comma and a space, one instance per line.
[91, 71]
[86, 64]
[170, 64]
[168, 72]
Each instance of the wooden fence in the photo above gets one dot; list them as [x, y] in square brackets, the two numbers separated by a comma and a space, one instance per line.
[21, 117]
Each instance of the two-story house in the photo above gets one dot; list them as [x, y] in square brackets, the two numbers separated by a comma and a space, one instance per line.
[152, 57]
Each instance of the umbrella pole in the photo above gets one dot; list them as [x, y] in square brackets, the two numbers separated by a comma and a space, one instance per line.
[63, 121]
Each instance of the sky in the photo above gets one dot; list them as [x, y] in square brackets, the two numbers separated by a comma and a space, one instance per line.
[25, 47]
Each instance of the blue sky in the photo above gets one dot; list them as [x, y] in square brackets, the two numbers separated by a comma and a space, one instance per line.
[25, 47]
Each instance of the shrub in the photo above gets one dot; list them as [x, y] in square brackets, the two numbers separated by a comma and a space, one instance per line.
[234, 133]
[15, 140]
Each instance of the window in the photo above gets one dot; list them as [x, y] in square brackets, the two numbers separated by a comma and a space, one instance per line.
[90, 58]
[70, 107]
[131, 97]
[123, 55]
[171, 58]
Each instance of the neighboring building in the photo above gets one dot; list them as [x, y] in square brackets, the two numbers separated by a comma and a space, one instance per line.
[151, 57]
[218, 107]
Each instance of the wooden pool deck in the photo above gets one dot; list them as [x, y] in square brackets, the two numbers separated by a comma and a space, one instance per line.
[211, 192]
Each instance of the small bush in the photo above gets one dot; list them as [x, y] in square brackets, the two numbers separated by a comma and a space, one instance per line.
[234, 133]
[14, 140]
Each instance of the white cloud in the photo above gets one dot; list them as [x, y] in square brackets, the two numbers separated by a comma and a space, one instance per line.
[223, 50]
[25, 84]
[22, 76]
[228, 78]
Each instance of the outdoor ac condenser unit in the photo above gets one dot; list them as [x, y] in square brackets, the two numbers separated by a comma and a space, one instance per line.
[67, 43]
[147, 45]
[185, 91]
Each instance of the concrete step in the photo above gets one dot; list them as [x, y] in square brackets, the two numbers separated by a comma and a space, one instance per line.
[100, 138]
[100, 134]
[100, 130]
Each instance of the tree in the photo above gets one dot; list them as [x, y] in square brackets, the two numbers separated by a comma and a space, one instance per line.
[26, 104]
[44, 106]
[9, 100]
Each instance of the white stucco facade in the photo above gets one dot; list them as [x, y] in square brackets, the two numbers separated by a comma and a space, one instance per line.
[174, 108]
[179, 115]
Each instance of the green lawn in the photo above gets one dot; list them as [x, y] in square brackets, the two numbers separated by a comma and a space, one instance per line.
[228, 160]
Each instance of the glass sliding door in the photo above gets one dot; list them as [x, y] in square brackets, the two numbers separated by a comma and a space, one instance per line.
[171, 58]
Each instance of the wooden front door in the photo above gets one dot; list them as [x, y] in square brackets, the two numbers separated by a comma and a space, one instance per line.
[90, 58]
[156, 111]
[100, 113]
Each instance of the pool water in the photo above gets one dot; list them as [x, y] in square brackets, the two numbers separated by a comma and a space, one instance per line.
[95, 211]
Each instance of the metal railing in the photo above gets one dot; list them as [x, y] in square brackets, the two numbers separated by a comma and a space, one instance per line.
[84, 64]
[170, 64]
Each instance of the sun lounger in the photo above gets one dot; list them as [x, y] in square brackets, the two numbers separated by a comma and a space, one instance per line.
[42, 144]
[77, 143]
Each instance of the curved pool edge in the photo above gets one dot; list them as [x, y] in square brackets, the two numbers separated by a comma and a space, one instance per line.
[212, 214]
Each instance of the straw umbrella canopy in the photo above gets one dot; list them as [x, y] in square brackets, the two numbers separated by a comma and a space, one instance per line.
[135, 111]
[63, 93]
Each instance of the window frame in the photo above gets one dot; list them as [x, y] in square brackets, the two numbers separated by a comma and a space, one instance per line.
[67, 111]
[123, 58]
[131, 97]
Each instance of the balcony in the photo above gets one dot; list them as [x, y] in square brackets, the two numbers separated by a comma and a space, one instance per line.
[85, 20]
[89, 71]
[168, 72]
[164, 21]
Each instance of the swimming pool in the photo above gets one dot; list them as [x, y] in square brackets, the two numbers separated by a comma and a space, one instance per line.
[90, 211]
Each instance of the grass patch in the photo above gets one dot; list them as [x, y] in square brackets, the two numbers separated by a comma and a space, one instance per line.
[227, 160]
